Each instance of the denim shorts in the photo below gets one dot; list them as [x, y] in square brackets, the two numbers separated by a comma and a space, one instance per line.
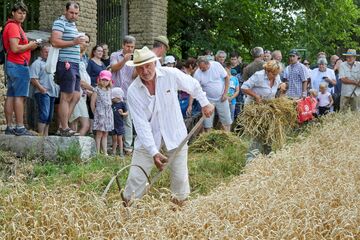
[45, 105]
[18, 80]
[68, 79]
[223, 110]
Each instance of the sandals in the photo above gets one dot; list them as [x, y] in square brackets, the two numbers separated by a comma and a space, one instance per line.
[67, 132]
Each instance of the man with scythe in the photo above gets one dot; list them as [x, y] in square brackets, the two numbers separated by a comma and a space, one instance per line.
[153, 102]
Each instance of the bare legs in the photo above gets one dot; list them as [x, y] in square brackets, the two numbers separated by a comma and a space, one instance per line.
[117, 141]
[101, 141]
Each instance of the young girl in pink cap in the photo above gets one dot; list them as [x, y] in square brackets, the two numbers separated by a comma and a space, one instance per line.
[101, 107]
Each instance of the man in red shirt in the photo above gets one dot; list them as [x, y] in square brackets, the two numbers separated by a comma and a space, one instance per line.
[18, 50]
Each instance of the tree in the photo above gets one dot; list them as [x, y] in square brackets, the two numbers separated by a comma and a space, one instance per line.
[319, 25]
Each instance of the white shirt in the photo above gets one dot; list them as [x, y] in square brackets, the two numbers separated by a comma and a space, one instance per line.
[159, 117]
[260, 85]
[212, 80]
[317, 77]
[324, 99]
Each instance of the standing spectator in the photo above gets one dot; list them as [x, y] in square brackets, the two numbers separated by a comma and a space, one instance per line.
[337, 88]
[123, 76]
[277, 56]
[233, 92]
[66, 37]
[95, 65]
[333, 60]
[84, 57]
[221, 57]
[119, 111]
[295, 76]
[350, 77]
[211, 75]
[322, 74]
[81, 112]
[157, 118]
[169, 61]
[256, 65]
[105, 58]
[160, 47]
[267, 55]
[101, 107]
[189, 106]
[45, 90]
[238, 67]
[325, 100]
[18, 50]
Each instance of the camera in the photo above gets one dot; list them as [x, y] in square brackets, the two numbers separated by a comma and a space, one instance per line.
[132, 57]
[324, 77]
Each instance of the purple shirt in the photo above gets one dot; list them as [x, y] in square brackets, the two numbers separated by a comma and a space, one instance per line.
[123, 77]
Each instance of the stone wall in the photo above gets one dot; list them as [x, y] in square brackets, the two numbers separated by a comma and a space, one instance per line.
[87, 22]
[147, 20]
[2, 96]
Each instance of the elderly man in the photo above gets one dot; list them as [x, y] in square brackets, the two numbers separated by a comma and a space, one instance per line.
[350, 77]
[322, 74]
[296, 76]
[66, 37]
[158, 121]
[160, 47]
[221, 57]
[211, 76]
[123, 76]
[256, 65]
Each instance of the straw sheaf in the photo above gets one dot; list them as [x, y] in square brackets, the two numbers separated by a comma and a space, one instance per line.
[268, 121]
[308, 190]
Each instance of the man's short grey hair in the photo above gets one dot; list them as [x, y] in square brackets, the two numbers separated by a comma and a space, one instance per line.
[221, 52]
[322, 61]
[203, 59]
[257, 52]
[128, 39]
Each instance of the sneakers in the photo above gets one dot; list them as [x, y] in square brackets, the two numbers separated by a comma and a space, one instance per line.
[67, 132]
[22, 132]
[9, 131]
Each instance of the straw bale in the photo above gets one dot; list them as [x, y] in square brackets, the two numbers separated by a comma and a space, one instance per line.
[307, 190]
[268, 121]
[214, 140]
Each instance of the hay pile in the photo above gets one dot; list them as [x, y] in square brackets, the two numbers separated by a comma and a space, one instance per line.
[213, 141]
[269, 120]
[310, 190]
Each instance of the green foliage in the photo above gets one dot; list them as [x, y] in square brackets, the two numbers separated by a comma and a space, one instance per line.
[330, 26]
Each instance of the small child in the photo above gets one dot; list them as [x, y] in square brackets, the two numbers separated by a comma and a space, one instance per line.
[233, 91]
[314, 102]
[101, 107]
[325, 100]
[119, 111]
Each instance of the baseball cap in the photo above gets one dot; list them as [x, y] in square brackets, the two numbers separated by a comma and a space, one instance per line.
[169, 59]
[117, 92]
[105, 74]
[233, 72]
[293, 52]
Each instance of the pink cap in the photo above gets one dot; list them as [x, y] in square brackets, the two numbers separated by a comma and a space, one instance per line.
[105, 74]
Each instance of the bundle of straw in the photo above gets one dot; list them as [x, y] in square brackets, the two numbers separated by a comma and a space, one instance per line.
[213, 140]
[268, 121]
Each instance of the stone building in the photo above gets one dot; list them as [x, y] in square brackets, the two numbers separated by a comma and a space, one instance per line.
[144, 19]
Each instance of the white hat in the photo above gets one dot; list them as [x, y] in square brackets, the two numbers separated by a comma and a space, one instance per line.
[169, 59]
[142, 56]
[117, 92]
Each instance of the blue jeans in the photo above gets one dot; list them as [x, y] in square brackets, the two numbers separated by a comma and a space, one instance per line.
[18, 80]
[45, 106]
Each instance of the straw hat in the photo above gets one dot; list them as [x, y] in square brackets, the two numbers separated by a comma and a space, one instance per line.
[142, 56]
[164, 40]
[350, 52]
